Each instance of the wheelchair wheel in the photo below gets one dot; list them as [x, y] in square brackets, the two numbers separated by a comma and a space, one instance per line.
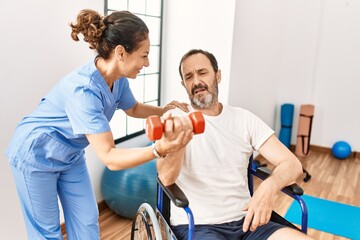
[145, 225]
[165, 229]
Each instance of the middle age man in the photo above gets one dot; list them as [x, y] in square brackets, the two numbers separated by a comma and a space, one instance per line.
[212, 168]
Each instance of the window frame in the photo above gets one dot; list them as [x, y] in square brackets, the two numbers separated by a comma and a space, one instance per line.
[143, 75]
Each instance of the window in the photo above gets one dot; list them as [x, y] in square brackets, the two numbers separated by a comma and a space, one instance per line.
[146, 87]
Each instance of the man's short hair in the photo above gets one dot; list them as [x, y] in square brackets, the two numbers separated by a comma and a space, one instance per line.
[209, 55]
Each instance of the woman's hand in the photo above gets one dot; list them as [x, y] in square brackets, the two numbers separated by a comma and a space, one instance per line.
[178, 131]
[174, 104]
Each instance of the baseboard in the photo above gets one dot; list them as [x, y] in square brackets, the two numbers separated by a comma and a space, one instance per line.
[314, 148]
[317, 148]
[322, 149]
[102, 206]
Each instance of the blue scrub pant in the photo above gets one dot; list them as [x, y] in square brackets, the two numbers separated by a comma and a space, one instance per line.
[38, 194]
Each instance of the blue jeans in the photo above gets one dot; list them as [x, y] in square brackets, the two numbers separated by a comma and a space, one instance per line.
[38, 193]
[226, 231]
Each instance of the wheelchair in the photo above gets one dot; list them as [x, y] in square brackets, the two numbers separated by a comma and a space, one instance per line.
[149, 224]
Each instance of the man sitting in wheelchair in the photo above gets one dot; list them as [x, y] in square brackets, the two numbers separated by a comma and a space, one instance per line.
[212, 169]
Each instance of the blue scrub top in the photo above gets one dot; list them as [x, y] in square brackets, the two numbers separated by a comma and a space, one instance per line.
[52, 137]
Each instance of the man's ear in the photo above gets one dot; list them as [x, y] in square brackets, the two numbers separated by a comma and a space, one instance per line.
[218, 76]
[182, 83]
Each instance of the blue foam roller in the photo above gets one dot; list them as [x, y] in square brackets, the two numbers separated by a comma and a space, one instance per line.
[287, 113]
[286, 118]
[285, 136]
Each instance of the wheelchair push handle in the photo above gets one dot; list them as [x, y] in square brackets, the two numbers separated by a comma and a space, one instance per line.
[155, 128]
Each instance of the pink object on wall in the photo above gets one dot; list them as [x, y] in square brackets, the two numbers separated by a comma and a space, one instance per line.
[304, 131]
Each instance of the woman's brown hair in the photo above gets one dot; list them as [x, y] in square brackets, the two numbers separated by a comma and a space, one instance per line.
[104, 33]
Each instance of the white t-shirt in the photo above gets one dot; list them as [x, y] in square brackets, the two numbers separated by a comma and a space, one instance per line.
[214, 173]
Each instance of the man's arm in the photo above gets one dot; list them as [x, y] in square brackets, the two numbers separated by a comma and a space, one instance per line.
[287, 166]
[169, 167]
[287, 169]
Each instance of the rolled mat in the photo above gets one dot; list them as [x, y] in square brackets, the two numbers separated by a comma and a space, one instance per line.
[286, 118]
[304, 131]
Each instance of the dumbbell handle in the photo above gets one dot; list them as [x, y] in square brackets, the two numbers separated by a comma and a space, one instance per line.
[155, 128]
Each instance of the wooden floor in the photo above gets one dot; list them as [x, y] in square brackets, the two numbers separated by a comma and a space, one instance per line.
[332, 179]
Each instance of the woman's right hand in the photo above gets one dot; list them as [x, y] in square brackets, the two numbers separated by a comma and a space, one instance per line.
[178, 131]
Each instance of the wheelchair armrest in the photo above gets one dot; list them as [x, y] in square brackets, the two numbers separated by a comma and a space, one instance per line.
[292, 189]
[175, 194]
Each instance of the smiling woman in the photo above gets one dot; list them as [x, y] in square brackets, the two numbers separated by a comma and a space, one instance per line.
[46, 153]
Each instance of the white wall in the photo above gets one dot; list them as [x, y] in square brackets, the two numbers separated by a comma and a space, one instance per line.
[337, 75]
[300, 52]
[206, 24]
[36, 51]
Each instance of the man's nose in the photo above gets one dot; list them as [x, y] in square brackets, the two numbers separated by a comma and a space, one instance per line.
[196, 79]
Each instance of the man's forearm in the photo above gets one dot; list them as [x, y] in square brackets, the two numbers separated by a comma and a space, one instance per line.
[169, 167]
[286, 173]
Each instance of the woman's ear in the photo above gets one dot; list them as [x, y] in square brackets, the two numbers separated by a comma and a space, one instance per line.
[119, 52]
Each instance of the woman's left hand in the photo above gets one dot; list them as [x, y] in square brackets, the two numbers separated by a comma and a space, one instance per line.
[174, 104]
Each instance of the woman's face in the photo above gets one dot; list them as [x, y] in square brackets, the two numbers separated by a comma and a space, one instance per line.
[135, 61]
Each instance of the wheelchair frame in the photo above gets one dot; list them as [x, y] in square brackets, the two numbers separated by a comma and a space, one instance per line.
[150, 225]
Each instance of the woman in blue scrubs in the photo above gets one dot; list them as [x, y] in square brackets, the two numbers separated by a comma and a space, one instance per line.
[46, 153]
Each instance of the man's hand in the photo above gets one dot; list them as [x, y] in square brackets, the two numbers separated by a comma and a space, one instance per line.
[178, 131]
[287, 169]
[260, 206]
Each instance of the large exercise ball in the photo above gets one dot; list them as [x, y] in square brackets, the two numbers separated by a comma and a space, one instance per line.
[341, 150]
[125, 190]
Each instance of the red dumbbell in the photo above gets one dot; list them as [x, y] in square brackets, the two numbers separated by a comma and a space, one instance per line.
[155, 128]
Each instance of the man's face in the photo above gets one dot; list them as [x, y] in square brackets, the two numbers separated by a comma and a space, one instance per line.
[200, 81]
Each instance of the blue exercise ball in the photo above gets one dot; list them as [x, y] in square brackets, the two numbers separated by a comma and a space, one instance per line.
[125, 190]
[341, 150]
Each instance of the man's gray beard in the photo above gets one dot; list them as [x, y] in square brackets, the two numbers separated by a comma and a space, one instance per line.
[207, 103]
